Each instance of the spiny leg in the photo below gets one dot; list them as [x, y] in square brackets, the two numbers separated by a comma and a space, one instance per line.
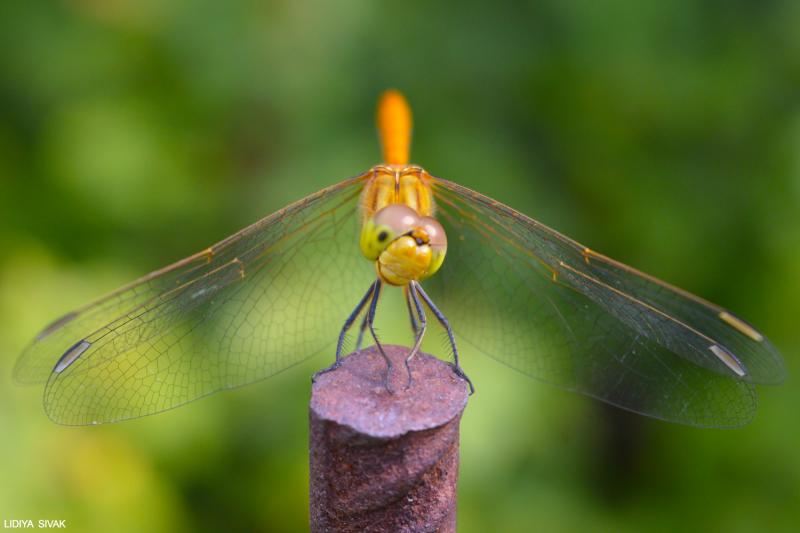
[411, 317]
[411, 296]
[361, 329]
[347, 325]
[443, 321]
[371, 324]
[352, 318]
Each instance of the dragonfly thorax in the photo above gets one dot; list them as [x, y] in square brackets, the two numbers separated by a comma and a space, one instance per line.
[393, 184]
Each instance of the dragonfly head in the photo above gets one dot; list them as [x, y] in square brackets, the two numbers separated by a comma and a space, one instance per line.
[404, 245]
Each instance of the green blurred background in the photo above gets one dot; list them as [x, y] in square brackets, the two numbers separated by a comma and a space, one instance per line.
[665, 134]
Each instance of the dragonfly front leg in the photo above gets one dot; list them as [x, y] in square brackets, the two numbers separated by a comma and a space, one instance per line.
[443, 321]
[347, 325]
[373, 306]
[361, 329]
[419, 333]
[409, 305]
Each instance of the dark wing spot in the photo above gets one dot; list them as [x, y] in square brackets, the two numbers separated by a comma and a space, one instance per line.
[71, 355]
[382, 236]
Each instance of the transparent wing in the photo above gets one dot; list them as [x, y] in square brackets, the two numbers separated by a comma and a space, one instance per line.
[554, 310]
[250, 306]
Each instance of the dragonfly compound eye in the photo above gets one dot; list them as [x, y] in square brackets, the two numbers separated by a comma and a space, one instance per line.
[437, 240]
[385, 226]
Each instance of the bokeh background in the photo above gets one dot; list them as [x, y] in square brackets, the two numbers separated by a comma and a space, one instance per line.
[664, 134]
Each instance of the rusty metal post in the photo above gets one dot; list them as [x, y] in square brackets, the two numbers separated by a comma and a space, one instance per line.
[384, 461]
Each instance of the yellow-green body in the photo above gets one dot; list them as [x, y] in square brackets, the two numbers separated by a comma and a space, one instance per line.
[405, 244]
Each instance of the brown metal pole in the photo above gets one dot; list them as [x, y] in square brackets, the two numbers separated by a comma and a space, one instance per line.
[384, 461]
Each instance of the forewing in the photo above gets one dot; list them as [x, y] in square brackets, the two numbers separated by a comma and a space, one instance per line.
[264, 299]
[762, 362]
[531, 298]
[37, 360]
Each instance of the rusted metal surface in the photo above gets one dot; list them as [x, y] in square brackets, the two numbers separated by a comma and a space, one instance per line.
[380, 460]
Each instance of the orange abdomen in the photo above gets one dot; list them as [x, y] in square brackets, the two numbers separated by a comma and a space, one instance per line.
[394, 127]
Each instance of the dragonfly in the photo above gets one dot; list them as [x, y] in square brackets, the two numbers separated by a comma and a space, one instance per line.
[275, 293]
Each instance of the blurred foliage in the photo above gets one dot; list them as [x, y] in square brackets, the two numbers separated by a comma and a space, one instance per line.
[666, 134]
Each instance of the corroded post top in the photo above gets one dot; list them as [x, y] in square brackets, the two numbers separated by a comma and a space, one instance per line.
[354, 395]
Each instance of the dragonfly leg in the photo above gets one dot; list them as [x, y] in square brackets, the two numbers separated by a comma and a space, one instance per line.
[347, 325]
[411, 316]
[443, 321]
[411, 295]
[373, 306]
[361, 329]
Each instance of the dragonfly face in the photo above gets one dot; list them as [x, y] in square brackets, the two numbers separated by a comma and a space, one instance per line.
[275, 293]
[405, 245]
